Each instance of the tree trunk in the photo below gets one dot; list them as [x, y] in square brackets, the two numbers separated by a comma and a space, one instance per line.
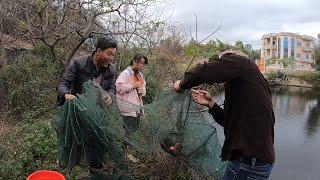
[74, 50]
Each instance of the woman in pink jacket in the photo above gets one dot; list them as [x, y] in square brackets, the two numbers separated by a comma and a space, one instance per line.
[131, 87]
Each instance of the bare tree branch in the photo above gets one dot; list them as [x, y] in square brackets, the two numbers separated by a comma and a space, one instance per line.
[216, 30]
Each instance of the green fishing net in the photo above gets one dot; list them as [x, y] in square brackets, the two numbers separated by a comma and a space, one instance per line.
[87, 124]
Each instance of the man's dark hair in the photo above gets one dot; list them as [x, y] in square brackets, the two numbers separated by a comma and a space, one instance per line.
[105, 43]
[137, 57]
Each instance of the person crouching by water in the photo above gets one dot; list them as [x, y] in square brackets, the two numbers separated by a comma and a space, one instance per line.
[130, 88]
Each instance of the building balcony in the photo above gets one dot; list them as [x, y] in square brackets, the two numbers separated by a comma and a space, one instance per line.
[307, 49]
[269, 57]
[269, 46]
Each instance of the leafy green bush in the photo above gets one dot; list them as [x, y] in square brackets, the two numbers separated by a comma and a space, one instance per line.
[42, 51]
[276, 75]
[30, 82]
[286, 62]
[271, 61]
[37, 150]
[153, 88]
[312, 78]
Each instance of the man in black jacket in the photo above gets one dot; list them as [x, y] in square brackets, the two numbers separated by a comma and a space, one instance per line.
[97, 67]
[247, 118]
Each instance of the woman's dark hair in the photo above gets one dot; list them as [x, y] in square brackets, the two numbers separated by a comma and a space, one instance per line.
[105, 43]
[137, 58]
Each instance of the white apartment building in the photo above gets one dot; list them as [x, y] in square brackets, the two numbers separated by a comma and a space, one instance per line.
[289, 45]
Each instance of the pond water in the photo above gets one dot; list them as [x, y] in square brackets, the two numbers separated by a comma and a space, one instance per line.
[297, 133]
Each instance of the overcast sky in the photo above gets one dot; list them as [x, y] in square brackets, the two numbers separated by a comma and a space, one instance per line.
[246, 20]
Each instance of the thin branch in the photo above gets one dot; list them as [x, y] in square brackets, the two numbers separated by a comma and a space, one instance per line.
[196, 27]
[217, 29]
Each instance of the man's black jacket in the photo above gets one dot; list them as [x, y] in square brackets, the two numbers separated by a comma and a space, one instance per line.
[80, 71]
[247, 116]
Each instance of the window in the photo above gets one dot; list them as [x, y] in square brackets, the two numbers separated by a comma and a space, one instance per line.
[279, 47]
[285, 47]
[298, 43]
[308, 44]
[292, 46]
[299, 55]
[307, 56]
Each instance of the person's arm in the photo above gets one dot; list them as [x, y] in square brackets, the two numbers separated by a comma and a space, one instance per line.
[204, 98]
[217, 113]
[64, 84]
[112, 87]
[216, 71]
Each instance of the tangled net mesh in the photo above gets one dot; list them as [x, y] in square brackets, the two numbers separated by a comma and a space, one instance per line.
[171, 124]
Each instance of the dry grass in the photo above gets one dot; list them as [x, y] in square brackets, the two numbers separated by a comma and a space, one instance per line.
[163, 166]
[9, 133]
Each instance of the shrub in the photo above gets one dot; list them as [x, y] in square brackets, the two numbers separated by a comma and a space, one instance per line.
[37, 150]
[30, 82]
[153, 88]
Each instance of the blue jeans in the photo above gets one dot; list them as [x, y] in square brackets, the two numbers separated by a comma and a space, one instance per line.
[245, 171]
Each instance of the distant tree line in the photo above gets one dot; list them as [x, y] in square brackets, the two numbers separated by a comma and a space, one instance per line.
[213, 48]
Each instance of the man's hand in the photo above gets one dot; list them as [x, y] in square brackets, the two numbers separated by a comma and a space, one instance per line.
[202, 97]
[69, 96]
[140, 90]
[137, 84]
[176, 86]
[107, 99]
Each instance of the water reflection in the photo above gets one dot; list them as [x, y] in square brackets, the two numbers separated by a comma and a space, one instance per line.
[312, 123]
[294, 102]
[297, 133]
